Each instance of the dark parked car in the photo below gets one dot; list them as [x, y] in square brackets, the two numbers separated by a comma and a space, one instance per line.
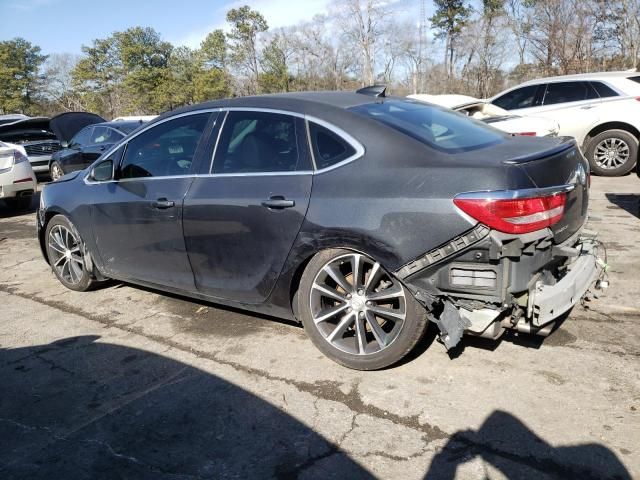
[362, 216]
[87, 145]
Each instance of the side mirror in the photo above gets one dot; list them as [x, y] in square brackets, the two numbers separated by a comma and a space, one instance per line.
[64, 144]
[102, 172]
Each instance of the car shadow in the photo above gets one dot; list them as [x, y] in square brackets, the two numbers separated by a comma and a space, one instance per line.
[81, 408]
[627, 201]
[507, 444]
[7, 212]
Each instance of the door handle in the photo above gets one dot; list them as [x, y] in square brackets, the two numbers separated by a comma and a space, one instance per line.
[587, 107]
[163, 203]
[102, 148]
[278, 202]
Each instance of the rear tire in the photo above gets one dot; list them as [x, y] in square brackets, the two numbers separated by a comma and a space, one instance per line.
[612, 153]
[376, 321]
[65, 252]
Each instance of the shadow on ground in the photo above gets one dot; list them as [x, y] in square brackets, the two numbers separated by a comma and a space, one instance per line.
[82, 409]
[7, 212]
[627, 201]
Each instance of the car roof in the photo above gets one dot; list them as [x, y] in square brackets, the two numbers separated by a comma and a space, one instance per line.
[452, 101]
[583, 76]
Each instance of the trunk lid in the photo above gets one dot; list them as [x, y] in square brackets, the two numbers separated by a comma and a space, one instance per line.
[563, 165]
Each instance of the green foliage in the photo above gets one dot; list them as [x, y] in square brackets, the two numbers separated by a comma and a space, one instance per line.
[450, 17]
[246, 24]
[275, 75]
[20, 62]
[213, 50]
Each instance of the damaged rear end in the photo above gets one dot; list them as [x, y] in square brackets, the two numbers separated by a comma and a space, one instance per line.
[525, 262]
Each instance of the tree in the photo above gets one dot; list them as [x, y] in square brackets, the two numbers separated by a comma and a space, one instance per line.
[449, 19]
[275, 76]
[20, 62]
[57, 86]
[246, 25]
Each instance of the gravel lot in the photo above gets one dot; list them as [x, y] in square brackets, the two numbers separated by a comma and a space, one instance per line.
[125, 382]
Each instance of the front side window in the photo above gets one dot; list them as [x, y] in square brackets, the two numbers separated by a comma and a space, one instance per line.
[166, 149]
[328, 147]
[255, 142]
[519, 98]
[565, 92]
[436, 127]
[105, 135]
[82, 138]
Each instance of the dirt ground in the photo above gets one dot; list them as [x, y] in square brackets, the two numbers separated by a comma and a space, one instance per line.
[124, 382]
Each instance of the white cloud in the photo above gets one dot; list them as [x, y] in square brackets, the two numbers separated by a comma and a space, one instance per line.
[278, 13]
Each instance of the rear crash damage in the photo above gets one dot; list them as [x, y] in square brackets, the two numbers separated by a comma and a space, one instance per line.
[485, 281]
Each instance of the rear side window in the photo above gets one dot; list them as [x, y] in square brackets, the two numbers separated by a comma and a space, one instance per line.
[166, 149]
[255, 142]
[519, 98]
[436, 127]
[328, 147]
[565, 92]
[604, 90]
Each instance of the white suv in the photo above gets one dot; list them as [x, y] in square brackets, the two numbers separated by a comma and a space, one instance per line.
[601, 110]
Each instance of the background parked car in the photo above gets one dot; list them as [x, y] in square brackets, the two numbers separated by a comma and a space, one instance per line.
[88, 144]
[17, 180]
[601, 110]
[494, 115]
[40, 136]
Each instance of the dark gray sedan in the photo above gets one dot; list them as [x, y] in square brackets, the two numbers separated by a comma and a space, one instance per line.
[363, 217]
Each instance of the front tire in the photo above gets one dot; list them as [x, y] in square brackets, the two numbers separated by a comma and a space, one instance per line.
[55, 170]
[356, 313]
[612, 153]
[65, 250]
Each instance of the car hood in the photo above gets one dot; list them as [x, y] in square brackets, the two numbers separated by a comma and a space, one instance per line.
[34, 123]
[67, 124]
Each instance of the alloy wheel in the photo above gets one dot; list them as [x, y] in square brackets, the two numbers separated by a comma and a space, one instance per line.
[56, 172]
[611, 153]
[64, 247]
[356, 305]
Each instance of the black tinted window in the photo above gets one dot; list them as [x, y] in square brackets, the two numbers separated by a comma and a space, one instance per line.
[254, 142]
[439, 128]
[105, 135]
[634, 79]
[518, 98]
[604, 90]
[328, 147]
[165, 149]
[83, 137]
[564, 92]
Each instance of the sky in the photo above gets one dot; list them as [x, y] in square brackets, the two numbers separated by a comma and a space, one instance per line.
[63, 26]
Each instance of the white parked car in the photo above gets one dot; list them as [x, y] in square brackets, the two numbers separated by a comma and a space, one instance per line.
[601, 110]
[493, 115]
[17, 180]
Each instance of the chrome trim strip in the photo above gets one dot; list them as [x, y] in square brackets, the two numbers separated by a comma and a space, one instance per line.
[357, 146]
[215, 147]
[516, 194]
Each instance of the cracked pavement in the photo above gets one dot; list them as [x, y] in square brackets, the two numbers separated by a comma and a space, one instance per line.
[125, 382]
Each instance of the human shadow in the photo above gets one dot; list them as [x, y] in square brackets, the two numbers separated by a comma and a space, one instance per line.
[510, 447]
[83, 409]
[627, 201]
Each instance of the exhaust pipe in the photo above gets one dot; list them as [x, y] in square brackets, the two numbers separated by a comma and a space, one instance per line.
[524, 327]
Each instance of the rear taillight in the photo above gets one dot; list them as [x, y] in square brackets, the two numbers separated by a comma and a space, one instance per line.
[526, 134]
[513, 215]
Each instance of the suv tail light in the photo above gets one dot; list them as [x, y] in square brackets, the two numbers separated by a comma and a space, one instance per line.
[522, 213]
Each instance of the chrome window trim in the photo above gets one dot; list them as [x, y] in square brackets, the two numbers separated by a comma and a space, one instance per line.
[355, 144]
[147, 127]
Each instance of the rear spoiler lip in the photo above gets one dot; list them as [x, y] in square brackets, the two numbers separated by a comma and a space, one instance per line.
[568, 143]
[517, 194]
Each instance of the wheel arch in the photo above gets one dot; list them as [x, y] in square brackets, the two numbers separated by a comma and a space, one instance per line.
[603, 127]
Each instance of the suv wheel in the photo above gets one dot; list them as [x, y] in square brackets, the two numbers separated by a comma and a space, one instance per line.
[356, 313]
[612, 153]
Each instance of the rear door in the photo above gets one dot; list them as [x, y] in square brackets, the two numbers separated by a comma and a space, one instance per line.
[243, 214]
[137, 217]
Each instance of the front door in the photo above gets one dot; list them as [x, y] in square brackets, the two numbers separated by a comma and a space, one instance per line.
[240, 220]
[137, 218]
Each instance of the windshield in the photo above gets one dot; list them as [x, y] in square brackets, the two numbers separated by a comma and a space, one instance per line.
[436, 127]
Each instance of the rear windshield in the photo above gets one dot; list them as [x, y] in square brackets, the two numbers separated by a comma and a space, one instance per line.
[436, 127]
